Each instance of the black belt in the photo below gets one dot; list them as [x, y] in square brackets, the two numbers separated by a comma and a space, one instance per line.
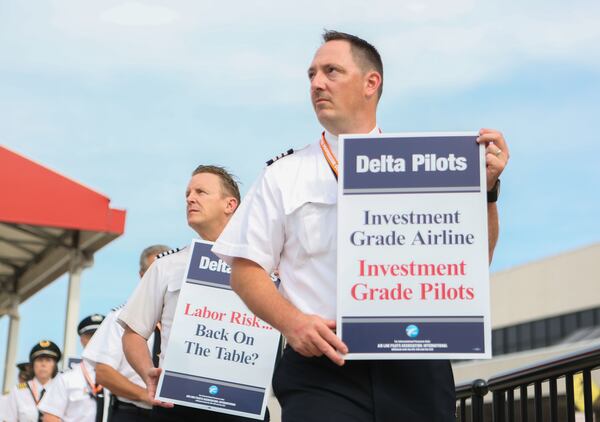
[123, 405]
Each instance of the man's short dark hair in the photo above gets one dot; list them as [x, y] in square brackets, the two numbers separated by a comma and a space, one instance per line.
[364, 53]
[228, 182]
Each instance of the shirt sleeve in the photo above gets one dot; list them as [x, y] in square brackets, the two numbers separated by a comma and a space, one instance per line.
[55, 399]
[11, 411]
[144, 308]
[256, 230]
[105, 346]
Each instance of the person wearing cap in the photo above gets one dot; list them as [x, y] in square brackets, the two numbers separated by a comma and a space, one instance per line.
[25, 372]
[24, 398]
[75, 395]
[129, 397]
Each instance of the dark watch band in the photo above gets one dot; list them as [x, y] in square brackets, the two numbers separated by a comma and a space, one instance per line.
[494, 193]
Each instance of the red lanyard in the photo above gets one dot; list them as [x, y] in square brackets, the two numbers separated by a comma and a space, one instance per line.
[33, 389]
[94, 389]
[329, 155]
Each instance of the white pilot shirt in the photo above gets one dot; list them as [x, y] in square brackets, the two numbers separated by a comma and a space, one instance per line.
[155, 297]
[21, 404]
[105, 347]
[69, 398]
[288, 220]
[3, 405]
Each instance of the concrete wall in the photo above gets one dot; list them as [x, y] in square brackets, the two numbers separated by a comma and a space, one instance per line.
[553, 286]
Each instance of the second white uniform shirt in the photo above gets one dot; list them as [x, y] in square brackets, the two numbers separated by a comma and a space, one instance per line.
[288, 221]
[106, 347]
[69, 398]
[155, 297]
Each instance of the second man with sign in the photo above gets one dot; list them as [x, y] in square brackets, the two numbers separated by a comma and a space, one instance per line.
[212, 196]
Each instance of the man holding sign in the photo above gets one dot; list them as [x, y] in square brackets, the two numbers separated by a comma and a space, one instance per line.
[212, 197]
[288, 221]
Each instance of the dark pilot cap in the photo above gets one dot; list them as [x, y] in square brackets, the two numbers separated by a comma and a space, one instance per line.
[45, 348]
[24, 366]
[90, 323]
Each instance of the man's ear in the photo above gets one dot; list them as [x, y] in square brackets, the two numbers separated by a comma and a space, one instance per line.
[372, 83]
[232, 205]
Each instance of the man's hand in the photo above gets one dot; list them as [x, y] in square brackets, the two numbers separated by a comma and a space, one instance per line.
[496, 154]
[151, 380]
[311, 335]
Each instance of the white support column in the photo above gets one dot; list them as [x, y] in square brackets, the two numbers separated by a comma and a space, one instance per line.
[78, 263]
[11, 346]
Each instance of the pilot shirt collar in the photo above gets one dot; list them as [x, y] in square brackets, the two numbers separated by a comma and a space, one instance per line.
[333, 140]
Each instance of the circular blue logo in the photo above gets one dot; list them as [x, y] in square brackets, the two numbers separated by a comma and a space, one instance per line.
[412, 331]
[213, 390]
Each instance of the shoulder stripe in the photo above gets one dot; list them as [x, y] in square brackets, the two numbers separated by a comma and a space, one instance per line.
[280, 156]
[169, 252]
[116, 308]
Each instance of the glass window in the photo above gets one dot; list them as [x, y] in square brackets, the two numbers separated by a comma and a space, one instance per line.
[555, 331]
[512, 339]
[525, 337]
[586, 318]
[539, 333]
[498, 342]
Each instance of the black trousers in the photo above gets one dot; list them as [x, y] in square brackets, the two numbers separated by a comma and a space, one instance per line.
[183, 413]
[316, 389]
[126, 412]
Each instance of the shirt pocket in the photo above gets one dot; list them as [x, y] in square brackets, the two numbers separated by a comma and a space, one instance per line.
[317, 226]
[78, 394]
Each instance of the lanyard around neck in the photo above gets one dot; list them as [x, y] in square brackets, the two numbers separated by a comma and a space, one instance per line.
[94, 389]
[330, 156]
[34, 393]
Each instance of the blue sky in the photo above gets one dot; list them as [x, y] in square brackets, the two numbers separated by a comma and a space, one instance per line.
[128, 97]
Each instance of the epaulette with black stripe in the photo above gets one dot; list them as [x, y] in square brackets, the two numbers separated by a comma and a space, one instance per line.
[116, 308]
[169, 252]
[280, 156]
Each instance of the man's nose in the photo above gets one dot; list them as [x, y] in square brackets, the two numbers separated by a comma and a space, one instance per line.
[317, 83]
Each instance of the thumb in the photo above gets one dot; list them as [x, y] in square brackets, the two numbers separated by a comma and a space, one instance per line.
[330, 323]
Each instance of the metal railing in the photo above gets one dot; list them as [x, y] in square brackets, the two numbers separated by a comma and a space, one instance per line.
[545, 373]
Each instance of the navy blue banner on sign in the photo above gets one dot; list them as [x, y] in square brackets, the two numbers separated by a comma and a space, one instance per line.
[437, 164]
[208, 269]
[215, 393]
[414, 334]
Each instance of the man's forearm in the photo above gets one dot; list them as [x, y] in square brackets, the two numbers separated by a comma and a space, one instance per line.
[254, 286]
[48, 417]
[118, 384]
[493, 228]
[136, 352]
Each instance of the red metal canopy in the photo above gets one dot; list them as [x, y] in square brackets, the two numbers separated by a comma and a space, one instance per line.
[33, 194]
[44, 218]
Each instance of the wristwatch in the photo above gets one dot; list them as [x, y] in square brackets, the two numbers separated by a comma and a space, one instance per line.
[494, 192]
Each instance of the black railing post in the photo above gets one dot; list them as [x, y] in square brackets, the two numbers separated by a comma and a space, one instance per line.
[538, 401]
[553, 400]
[480, 389]
[523, 403]
[498, 406]
[510, 405]
[570, 398]
[587, 396]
